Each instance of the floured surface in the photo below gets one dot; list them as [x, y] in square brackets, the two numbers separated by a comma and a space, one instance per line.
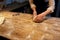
[21, 27]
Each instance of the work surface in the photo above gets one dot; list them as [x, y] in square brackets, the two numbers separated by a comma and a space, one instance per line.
[21, 27]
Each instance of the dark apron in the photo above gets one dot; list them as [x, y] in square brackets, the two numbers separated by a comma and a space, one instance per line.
[41, 5]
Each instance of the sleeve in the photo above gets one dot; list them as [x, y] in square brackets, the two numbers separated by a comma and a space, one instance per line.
[51, 5]
[32, 5]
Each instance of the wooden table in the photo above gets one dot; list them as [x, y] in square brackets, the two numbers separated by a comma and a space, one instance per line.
[21, 27]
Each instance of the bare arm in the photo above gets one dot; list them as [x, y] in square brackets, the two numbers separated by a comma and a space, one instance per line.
[51, 7]
[32, 5]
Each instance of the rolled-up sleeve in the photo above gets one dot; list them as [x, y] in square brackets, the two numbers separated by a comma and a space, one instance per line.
[51, 5]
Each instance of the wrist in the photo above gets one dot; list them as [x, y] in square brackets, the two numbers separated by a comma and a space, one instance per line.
[46, 12]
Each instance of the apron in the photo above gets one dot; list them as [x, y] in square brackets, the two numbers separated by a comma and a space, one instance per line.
[41, 5]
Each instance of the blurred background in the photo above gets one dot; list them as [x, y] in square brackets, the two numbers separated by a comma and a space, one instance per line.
[23, 6]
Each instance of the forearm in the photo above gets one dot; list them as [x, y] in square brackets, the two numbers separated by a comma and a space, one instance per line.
[32, 5]
[46, 12]
[51, 7]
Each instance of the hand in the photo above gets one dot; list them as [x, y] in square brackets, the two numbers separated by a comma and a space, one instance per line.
[39, 18]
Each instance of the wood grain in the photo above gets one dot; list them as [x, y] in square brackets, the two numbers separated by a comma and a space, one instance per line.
[21, 27]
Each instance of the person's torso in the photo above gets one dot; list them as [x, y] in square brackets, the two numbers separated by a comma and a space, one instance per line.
[38, 2]
[41, 5]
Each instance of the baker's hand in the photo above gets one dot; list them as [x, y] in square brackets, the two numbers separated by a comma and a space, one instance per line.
[39, 18]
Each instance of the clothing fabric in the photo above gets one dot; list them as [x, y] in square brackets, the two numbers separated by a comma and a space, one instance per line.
[41, 5]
